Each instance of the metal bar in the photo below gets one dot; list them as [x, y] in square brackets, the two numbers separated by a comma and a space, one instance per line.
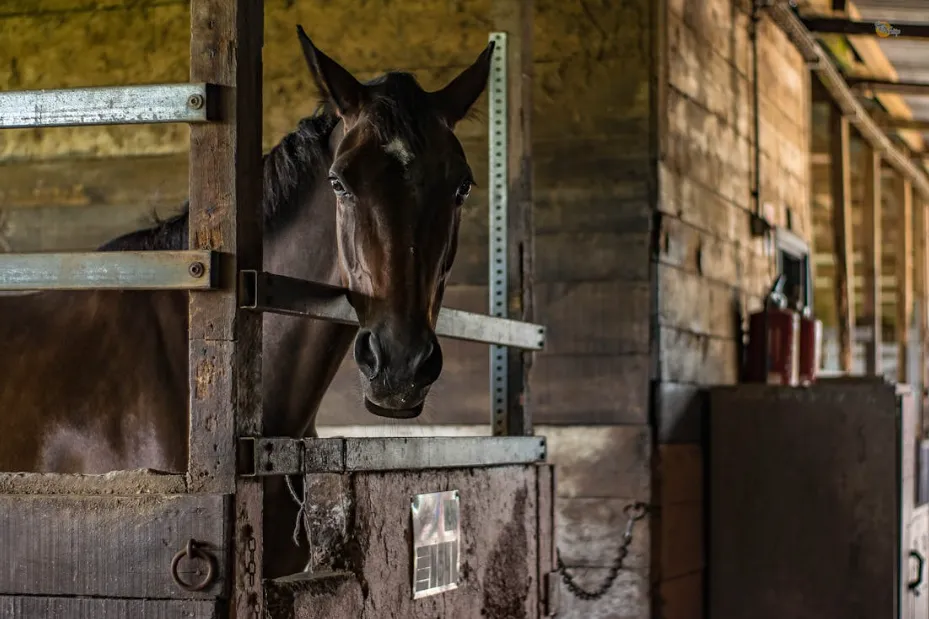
[498, 128]
[264, 456]
[279, 294]
[107, 105]
[879, 28]
[900, 88]
[126, 270]
[810, 49]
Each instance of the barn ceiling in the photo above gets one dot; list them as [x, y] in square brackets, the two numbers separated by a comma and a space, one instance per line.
[909, 57]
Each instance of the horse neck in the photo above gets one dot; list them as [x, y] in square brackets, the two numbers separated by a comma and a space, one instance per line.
[301, 355]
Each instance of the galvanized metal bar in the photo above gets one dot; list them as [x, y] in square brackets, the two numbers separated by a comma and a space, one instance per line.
[264, 456]
[498, 128]
[107, 105]
[126, 270]
[278, 294]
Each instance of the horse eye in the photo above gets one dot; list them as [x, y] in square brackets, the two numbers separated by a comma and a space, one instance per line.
[337, 186]
[462, 193]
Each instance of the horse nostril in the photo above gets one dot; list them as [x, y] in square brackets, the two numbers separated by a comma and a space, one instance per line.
[367, 354]
[430, 364]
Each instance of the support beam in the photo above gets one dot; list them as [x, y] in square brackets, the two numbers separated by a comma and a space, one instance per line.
[901, 88]
[511, 415]
[833, 81]
[225, 342]
[903, 124]
[904, 268]
[841, 190]
[921, 291]
[871, 261]
[898, 30]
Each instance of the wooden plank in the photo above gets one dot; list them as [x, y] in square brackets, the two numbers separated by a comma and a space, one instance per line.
[842, 233]
[904, 272]
[679, 412]
[681, 598]
[142, 481]
[225, 214]
[923, 232]
[546, 542]
[515, 17]
[601, 461]
[628, 598]
[692, 303]
[577, 389]
[688, 357]
[20, 607]
[610, 317]
[920, 287]
[680, 539]
[872, 271]
[591, 529]
[679, 474]
[109, 546]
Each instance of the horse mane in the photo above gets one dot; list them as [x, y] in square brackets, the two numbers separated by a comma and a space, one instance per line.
[289, 171]
[398, 105]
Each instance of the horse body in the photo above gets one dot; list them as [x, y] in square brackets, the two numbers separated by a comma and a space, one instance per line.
[96, 381]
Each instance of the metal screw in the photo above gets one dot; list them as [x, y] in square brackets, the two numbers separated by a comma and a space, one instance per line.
[196, 269]
[195, 102]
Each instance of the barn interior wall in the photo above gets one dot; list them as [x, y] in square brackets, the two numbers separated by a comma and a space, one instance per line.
[710, 271]
[70, 189]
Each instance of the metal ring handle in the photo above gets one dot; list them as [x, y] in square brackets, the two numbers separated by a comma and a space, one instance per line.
[920, 564]
[193, 551]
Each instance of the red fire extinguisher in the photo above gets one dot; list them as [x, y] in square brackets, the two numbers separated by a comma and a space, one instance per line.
[773, 354]
[811, 346]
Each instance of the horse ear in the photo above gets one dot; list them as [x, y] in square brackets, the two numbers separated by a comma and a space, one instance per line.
[456, 99]
[332, 79]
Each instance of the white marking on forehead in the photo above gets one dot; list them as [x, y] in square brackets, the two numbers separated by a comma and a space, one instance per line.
[399, 149]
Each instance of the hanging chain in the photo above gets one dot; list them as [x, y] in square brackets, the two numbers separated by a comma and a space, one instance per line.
[251, 569]
[634, 513]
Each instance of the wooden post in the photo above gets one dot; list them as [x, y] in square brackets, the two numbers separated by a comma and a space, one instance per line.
[225, 343]
[515, 17]
[842, 235]
[904, 269]
[872, 263]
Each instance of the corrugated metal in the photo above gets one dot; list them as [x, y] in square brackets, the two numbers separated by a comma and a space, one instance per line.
[909, 57]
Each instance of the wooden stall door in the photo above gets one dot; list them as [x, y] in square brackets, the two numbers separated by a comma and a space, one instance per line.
[80, 557]
[811, 494]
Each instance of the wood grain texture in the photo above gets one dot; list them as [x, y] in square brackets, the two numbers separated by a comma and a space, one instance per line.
[601, 461]
[108, 546]
[842, 234]
[872, 250]
[225, 215]
[681, 598]
[85, 608]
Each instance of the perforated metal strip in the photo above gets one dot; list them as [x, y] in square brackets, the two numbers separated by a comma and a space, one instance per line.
[497, 220]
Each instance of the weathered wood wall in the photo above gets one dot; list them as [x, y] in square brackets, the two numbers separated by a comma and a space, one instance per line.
[710, 271]
[595, 183]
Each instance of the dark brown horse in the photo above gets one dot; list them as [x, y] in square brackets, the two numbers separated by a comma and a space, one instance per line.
[366, 193]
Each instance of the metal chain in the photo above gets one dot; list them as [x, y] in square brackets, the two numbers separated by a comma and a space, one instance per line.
[251, 569]
[634, 512]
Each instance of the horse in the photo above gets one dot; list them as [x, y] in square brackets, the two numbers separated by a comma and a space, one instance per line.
[366, 193]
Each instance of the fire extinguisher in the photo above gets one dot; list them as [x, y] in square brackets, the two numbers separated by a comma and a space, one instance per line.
[811, 346]
[773, 354]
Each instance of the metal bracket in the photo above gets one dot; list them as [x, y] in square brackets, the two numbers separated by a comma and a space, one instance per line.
[498, 224]
[267, 292]
[125, 270]
[108, 105]
[262, 456]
